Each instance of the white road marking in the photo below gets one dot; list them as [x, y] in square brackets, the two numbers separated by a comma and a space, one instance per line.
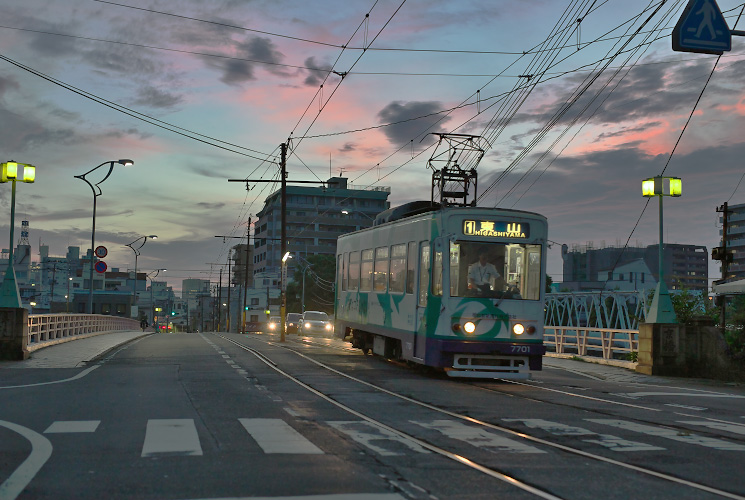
[274, 435]
[687, 394]
[367, 433]
[694, 408]
[79, 375]
[72, 426]
[171, 436]
[673, 434]
[41, 450]
[479, 438]
[613, 443]
[720, 426]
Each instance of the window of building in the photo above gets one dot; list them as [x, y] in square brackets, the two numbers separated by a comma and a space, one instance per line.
[105, 308]
[121, 308]
[254, 301]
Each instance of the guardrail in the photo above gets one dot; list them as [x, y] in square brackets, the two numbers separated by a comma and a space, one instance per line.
[612, 343]
[49, 329]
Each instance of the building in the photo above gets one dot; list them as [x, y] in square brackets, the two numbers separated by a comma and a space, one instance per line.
[315, 217]
[735, 241]
[631, 277]
[588, 268]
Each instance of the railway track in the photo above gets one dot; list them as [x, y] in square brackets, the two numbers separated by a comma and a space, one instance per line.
[476, 461]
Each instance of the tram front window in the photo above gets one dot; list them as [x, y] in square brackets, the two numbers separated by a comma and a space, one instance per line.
[495, 270]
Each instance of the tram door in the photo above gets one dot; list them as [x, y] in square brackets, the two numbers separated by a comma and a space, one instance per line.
[422, 290]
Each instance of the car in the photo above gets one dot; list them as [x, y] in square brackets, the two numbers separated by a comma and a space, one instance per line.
[316, 322]
[292, 322]
[273, 323]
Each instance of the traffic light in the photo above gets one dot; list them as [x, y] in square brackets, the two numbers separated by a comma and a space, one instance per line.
[245, 308]
[717, 253]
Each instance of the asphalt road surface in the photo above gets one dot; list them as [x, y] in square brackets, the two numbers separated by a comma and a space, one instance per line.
[207, 416]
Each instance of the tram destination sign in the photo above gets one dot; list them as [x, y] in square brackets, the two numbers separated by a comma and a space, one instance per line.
[496, 229]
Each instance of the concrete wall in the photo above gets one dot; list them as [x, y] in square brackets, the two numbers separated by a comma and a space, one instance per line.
[697, 350]
[13, 333]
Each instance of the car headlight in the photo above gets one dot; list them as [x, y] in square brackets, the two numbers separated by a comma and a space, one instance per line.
[306, 325]
[329, 326]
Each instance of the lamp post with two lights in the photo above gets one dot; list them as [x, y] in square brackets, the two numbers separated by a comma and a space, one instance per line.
[661, 310]
[9, 295]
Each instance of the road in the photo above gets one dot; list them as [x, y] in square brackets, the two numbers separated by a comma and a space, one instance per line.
[187, 416]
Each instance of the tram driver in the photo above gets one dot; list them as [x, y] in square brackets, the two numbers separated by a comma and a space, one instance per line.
[483, 276]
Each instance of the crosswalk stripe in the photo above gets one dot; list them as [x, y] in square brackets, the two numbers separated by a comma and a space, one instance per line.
[274, 435]
[478, 437]
[673, 434]
[720, 426]
[611, 442]
[380, 440]
[72, 426]
[171, 436]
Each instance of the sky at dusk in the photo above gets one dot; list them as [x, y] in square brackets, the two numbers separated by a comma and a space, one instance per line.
[578, 101]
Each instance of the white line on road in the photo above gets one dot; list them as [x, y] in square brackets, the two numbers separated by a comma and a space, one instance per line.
[674, 434]
[479, 438]
[79, 375]
[41, 450]
[274, 435]
[733, 428]
[72, 426]
[171, 436]
[687, 394]
[378, 439]
[686, 407]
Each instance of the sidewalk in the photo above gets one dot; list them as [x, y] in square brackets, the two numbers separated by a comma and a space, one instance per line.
[75, 353]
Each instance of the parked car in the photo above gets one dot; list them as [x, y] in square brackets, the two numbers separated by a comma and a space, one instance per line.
[292, 322]
[273, 324]
[316, 322]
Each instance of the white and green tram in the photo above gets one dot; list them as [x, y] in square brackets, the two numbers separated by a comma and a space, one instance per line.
[403, 289]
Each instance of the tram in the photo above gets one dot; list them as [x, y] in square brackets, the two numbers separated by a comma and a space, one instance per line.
[408, 289]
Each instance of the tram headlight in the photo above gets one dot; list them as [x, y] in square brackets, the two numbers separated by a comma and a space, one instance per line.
[469, 327]
[518, 329]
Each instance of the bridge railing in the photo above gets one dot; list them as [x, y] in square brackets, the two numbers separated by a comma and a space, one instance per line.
[48, 329]
[609, 343]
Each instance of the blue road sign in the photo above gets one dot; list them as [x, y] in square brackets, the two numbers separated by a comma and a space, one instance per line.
[702, 29]
[100, 266]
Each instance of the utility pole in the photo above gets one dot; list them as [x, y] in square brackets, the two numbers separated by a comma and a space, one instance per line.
[219, 303]
[721, 254]
[245, 272]
[283, 243]
[230, 282]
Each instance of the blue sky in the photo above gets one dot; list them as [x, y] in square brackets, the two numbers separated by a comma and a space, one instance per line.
[247, 75]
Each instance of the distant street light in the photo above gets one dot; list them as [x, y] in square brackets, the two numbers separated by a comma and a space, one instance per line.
[350, 212]
[661, 310]
[96, 193]
[152, 276]
[9, 295]
[137, 254]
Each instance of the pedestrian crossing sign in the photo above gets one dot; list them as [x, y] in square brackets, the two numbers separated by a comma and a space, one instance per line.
[702, 29]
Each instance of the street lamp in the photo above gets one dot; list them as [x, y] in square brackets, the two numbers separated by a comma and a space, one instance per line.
[9, 295]
[96, 193]
[283, 296]
[137, 254]
[661, 310]
[152, 276]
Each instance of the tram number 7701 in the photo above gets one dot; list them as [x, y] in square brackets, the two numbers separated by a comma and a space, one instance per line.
[521, 348]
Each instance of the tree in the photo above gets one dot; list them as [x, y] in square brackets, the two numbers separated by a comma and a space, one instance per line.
[320, 274]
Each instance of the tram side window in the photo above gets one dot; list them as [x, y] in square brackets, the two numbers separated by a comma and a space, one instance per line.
[398, 269]
[380, 278]
[423, 273]
[341, 261]
[411, 268]
[344, 272]
[354, 270]
[366, 271]
[437, 274]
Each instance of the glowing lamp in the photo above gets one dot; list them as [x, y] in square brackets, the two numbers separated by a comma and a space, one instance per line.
[662, 186]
